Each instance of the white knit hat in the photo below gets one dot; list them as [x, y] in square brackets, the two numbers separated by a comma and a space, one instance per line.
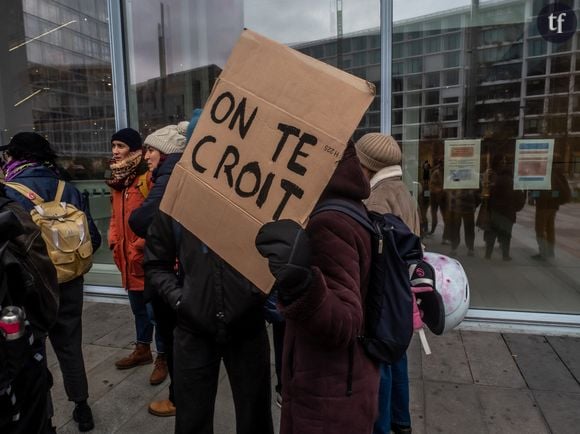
[377, 151]
[169, 139]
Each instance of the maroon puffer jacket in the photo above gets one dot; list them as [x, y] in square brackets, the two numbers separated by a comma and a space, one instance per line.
[322, 326]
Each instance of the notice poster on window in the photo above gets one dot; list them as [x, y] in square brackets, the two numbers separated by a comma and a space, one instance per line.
[533, 164]
[461, 165]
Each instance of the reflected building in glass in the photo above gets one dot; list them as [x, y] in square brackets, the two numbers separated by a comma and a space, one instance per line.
[519, 85]
[56, 76]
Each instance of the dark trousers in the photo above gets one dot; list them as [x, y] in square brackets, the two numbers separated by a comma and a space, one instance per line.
[66, 339]
[545, 230]
[437, 201]
[197, 363]
[500, 228]
[278, 328]
[165, 325]
[455, 219]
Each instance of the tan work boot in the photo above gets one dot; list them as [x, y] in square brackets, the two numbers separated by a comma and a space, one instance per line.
[159, 373]
[141, 355]
[162, 408]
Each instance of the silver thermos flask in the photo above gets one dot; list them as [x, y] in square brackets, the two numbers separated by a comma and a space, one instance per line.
[12, 322]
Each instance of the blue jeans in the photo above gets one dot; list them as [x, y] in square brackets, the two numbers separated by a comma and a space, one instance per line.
[144, 320]
[393, 397]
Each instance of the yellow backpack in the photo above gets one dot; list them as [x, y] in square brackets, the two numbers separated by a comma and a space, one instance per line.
[65, 231]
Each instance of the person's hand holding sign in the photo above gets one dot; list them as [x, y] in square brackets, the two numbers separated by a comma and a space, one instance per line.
[287, 247]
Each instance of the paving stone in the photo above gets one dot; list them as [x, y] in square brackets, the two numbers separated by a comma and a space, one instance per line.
[93, 356]
[144, 422]
[102, 318]
[568, 349]
[490, 360]
[121, 337]
[511, 411]
[561, 410]
[414, 356]
[540, 365]
[417, 407]
[448, 361]
[121, 402]
[443, 396]
[452, 408]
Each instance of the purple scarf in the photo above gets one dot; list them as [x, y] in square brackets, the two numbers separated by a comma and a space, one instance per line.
[14, 167]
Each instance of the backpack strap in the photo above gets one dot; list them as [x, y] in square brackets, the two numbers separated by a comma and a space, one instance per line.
[26, 192]
[358, 214]
[59, 190]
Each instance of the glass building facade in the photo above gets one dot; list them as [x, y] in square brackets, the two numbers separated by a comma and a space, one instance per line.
[468, 88]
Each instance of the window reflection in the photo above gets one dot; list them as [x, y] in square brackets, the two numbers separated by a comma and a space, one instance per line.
[56, 81]
[505, 85]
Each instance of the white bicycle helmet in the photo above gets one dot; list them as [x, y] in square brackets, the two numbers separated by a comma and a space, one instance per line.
[452, 284]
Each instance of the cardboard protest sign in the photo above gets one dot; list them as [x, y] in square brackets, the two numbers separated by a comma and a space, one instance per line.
[265, 147]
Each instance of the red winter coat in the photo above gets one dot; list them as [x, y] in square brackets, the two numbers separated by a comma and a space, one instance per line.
[126, 246]
[322, 326]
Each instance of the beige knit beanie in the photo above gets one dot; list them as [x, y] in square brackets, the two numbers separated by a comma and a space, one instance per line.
[169, 139]
[377, 151]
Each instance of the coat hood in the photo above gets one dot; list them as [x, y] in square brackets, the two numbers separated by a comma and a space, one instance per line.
[348, 180]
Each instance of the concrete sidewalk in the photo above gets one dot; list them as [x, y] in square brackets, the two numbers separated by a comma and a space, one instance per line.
[473, 383]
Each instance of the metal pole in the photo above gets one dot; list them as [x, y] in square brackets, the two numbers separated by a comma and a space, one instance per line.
[386, 64]
[117, 63]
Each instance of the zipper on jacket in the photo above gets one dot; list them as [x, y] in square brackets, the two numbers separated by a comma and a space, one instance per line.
[124, 196]
[220, 315]
[350, 369]
[380, 236]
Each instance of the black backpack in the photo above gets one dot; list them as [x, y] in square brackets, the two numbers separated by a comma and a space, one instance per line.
[388, 309]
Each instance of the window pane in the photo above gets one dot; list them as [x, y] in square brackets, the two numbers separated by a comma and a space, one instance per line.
[499, 82]
[56, 81]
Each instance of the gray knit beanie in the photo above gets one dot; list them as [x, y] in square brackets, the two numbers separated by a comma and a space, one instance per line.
[169, 139]
[377, 151]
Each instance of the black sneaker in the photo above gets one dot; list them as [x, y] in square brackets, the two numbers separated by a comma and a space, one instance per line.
[400, 429]
[83, 415]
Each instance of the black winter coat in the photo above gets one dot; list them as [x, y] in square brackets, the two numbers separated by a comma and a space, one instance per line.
[210, 297]
[142, 217]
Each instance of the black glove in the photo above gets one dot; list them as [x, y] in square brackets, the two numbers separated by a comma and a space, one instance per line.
[287, 248]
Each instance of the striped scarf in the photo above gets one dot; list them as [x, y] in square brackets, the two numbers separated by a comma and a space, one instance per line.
[124, 172]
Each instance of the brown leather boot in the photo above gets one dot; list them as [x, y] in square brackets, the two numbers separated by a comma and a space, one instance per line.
[159, 373]
[162, 408]
[141, 355]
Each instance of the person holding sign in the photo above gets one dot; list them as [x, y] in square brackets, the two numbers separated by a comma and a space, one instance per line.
[330, 384]
[219, 318]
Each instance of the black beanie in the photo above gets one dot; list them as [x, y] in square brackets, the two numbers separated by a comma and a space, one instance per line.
[130, 137]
